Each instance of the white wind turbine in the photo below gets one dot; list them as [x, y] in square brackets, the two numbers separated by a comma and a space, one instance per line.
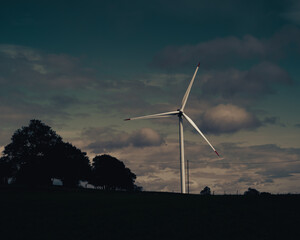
[180, 113]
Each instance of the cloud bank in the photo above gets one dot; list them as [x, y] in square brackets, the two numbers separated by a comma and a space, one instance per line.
[229, 50]
[107, 139]
[265, 167]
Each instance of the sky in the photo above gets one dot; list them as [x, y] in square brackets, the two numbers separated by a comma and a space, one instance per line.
[82, 67]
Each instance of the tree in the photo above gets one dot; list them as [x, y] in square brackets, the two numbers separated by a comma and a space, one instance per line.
[28, 153]
[38, 154]
[110, 174]
[69, 164]
[205, 191]
[6, 170]
[251, 192]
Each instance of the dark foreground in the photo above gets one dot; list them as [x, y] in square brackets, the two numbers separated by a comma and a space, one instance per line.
[89, 214]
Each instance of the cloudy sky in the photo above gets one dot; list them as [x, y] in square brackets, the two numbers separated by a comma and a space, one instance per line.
[83, 66]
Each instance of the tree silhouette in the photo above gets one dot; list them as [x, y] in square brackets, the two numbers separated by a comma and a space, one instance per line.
[205, 191]
[110, 174]
[39, 154]
[6, 170]
[28, 152]
[69, 164]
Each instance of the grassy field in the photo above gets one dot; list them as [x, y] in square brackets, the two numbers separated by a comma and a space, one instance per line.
[58, 213]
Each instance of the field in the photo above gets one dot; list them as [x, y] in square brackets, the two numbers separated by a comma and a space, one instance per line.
[57, 213]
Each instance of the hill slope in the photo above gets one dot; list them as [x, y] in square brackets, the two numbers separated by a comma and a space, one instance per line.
[89, 214]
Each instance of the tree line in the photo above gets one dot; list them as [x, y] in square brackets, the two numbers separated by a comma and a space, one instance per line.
[37, 155]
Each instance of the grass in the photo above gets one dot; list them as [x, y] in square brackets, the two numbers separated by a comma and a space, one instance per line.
[57, 213]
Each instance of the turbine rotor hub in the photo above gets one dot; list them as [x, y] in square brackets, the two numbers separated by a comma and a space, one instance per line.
[180, 113]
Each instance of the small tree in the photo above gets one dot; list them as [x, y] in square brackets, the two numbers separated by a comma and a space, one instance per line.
[110, 174]
[205, 191]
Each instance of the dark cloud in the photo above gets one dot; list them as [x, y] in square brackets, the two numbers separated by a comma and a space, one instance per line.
[293, 12]
[107, 139]
[152, 93]
[246, 179]
[234, 85]
[63, 101]
[273, 121]
[297, 125]
[35, 84]
[275, 172]
[30, 68]
[19, 113]
[214, 52]
[228, 50]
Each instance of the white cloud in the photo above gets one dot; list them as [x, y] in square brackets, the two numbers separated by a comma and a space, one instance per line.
[226, 118]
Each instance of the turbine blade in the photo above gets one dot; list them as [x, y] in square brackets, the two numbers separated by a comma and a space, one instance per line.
[186, 95]
[198, 130]
[159, 115]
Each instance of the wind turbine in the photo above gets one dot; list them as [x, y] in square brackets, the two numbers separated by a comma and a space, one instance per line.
[180, 113]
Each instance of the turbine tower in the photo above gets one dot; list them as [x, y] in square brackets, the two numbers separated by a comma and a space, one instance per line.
[180, 113]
